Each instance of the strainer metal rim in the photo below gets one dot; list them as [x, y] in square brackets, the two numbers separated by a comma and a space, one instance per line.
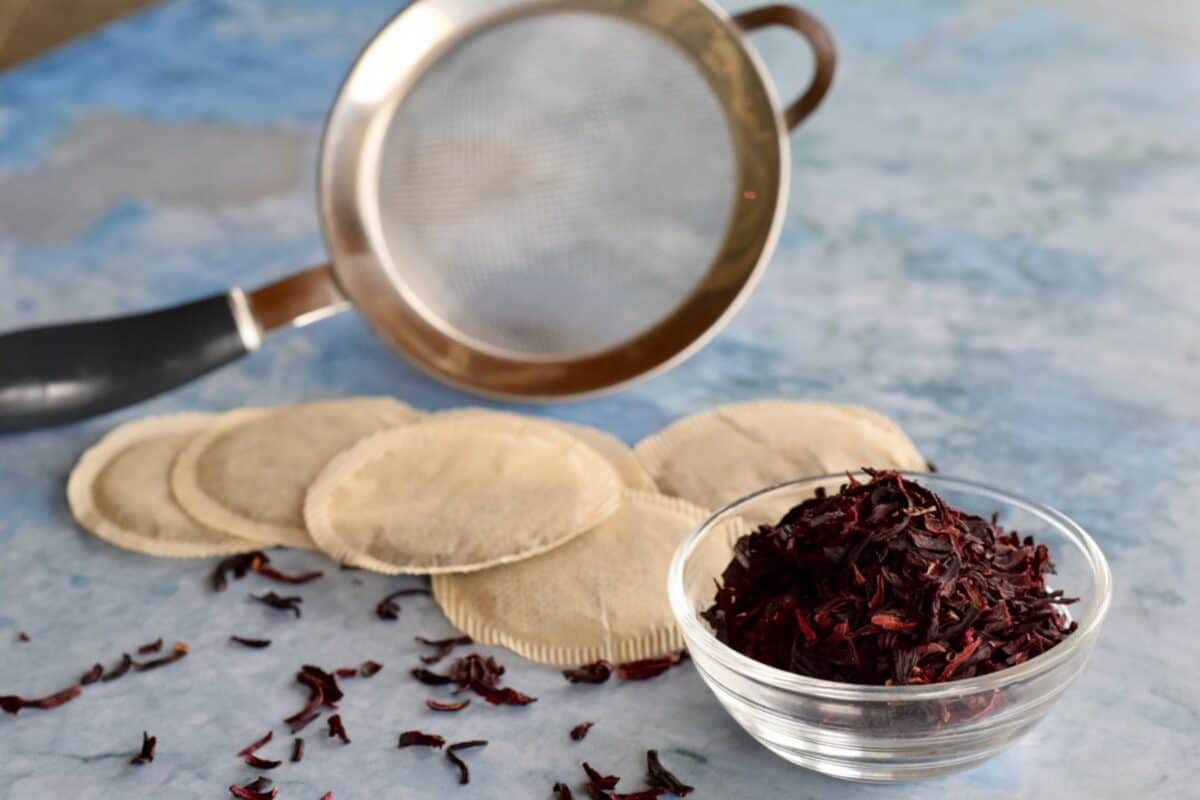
[414, 39]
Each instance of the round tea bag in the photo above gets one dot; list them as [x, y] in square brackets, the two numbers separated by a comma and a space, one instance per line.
[459, 493]
[719, 456]
[633, 475]
[602, 595]
[247, 474]
[120, 490]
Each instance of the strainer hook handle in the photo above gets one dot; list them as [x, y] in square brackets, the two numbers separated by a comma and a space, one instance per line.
[819, 39]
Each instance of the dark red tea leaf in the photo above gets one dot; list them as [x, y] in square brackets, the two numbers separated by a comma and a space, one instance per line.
[563, 792]
[152, 647]
[444, 647]
[273, 600]
[388, 608]
[596, 672]
[256, 644]
[12, 703]
[146, 754]
[22, 637]
[648, 667]
[261, 763]
[599, 781]
[336, 728]
[180, 651]
[254, 746]
[659, 776]
[273, 574]
[503, 696]
[346, 672]
[431, 678]
[418, 739]
[238, 565]
[581, 730]
[297, 749]
[119, 670]
[369, 668]
[255, 790]
[464, 774]
[92, 675]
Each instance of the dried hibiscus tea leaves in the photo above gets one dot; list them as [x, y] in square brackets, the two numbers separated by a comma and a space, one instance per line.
[464, 774]
[388, 608]
[883, 583]
[255, 790]
[322, 691]
[648, 668]
[12, 703]
[260, 567]
[659, 776]
[291, 603]
[596, 672]
[418, 739]
[256, 745]
[256, 644]
[336, 728]
[444, 647]
[180, 650]
[146, 754]
[119, 670]
[599, 781]
[434, 705]
[580, 731]
[261, 763]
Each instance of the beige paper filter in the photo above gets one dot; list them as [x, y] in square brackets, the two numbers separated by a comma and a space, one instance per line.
[719, 456]
[602, 595]
[247, 475]
[120, 491]
[459, 493]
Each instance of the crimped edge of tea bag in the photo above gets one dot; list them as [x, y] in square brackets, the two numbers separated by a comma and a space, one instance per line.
[658, 643]
[319, 499]
[82, 481]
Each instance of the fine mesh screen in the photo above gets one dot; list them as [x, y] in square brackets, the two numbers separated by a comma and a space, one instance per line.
[556, 184]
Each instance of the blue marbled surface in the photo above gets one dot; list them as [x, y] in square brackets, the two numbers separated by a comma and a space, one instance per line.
[992, 237]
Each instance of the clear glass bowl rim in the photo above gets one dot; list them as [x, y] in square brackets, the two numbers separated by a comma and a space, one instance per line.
[696, 631]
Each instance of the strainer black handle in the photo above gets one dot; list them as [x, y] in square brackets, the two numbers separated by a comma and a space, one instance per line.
[819, 39]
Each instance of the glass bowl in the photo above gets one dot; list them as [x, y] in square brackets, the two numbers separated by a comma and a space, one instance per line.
[888, 733]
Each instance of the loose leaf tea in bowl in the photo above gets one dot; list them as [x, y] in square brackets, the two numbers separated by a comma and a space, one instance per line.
[885, 584]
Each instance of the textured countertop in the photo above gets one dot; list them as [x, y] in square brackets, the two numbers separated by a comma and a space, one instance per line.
[992, 237]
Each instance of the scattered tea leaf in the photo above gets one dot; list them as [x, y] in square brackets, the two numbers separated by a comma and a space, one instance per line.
[369, 668]
[12, 703]
[297, 749]
[647, 668]
[563, 792]
[255, 790]
[599, 781]
[418, 739]
[444, 647]
[660, 776]
[580, 731]
[431, 678]
[119, 670]
[146, 754]
[336, 728]
[464, 774]
[22, 637]
[254, 746]
[596, 672]
[256, 644]
[346, 672]
[92, 675]
[388, 608]
[291, 603]
[261, 763]
[152, 647]
[180, 651]
[238, 565]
